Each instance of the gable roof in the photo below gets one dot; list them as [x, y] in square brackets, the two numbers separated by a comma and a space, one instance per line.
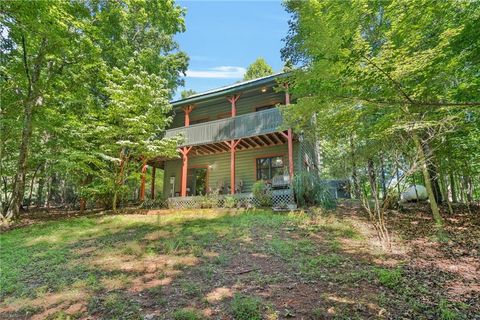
[230, 89]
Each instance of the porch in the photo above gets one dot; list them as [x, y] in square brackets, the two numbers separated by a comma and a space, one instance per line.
[256, 129]
[212, 174]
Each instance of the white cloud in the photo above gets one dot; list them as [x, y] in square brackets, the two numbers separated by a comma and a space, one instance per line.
[218, 72]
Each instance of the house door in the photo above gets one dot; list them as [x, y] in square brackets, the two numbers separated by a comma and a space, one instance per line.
[197, 181]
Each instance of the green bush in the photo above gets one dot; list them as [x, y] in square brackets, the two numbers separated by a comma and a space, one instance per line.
[246, 308]
[157, 203]
[209, 201]
[230, 202]
[311, 190]
[263, 193]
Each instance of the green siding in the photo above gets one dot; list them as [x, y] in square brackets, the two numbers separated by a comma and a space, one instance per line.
[245, 104]
[219, 170]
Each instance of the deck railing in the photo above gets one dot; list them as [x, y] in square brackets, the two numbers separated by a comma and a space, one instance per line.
[247, 125]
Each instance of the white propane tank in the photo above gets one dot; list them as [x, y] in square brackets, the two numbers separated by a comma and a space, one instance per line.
[411, 195]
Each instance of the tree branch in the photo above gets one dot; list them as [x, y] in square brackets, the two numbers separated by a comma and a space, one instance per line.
[395, 82]
[25, 64]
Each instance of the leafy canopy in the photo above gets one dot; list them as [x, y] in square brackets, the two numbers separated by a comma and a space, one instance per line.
[259, 68]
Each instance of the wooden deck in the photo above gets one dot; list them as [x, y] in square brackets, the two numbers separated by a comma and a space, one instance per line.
[256, 129]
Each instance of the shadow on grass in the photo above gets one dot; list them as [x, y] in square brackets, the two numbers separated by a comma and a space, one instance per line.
[131, 266]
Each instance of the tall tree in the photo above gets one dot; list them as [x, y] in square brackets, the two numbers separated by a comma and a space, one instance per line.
[259, 68]
[187, 93]
[64, 64]
[410, 65]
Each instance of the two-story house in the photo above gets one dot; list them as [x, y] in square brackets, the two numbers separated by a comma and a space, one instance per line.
[233, 137]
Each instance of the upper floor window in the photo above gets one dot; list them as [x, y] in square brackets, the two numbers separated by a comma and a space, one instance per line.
[264, 107]
[267, 168]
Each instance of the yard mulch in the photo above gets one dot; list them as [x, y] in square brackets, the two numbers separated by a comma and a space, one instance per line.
[193, 264]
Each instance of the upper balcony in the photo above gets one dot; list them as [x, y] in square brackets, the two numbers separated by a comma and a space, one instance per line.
[244, 126]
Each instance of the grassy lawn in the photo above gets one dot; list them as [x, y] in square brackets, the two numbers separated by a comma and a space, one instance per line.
[213, 265]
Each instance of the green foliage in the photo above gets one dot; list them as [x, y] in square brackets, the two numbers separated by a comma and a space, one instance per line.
[115, 306]
[263, 193]
[210, 200]
[97, 106]
[62, 257]
[385, 85]
[230, 202]
[187, 314]
[390, 278]
[187, 93]
[446, 311]
[157, 203]
[246, 308]
[190, 288]
[311, 190]
[259, 68]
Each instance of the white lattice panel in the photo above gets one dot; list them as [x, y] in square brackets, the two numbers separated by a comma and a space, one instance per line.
[279, 198]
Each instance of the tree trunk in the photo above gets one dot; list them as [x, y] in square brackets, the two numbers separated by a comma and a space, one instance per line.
[384, 186]
[452, 187]
[377, 215]
[48, 195]
[32, 99]
[31, 186]
[356, 184]
[443, 179]
[468, 185]
[83, 201]
[428, 184]
[397, 173]
[119, 179]
[41, 186]
[433, 172]
[19, 185]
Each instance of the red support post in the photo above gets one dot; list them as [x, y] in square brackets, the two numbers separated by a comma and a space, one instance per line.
[232, 145]
[152, 186]
[187, 111]
[184, 151]
[289, 137]
[290, 152]
[287, 95]
[142, 185]
[233, 100]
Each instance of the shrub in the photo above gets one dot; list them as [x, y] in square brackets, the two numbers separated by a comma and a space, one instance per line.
[230, 202]
[209, 200]
[263, 193]
[157, 203]
[246, 308]
[311, 190]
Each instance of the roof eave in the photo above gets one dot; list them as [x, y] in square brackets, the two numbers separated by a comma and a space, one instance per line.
[228, 90]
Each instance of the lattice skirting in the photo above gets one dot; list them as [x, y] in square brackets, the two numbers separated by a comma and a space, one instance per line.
[279, 198]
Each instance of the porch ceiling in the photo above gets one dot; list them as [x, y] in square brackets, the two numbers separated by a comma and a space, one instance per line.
[255, 142]
[260, 141]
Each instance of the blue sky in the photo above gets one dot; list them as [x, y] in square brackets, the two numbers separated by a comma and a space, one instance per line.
[224, 37]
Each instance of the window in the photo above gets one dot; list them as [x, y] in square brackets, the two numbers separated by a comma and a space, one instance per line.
[267, 168]
[264, 108]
